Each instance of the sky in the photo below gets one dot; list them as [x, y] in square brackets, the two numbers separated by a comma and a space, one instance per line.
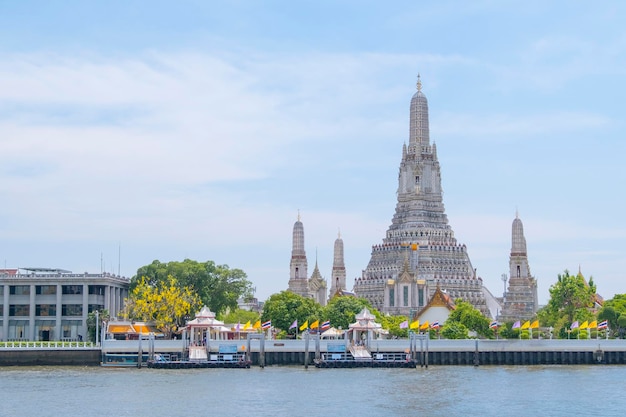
[133, 131]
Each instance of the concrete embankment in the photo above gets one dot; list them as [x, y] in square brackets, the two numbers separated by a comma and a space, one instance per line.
[55, 357]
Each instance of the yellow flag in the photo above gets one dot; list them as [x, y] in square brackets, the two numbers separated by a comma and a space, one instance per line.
[257, 325]
[593, 325]
[315, 324]
[304, 326]
[534, 324]
[526, 325]
[585, 325]
[247, 325]
[415, 325]
[425, 326]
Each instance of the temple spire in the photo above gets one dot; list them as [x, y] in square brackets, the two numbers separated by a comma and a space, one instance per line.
[419, 82]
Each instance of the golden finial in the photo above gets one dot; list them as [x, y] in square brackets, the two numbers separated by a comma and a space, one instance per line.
[419, 82]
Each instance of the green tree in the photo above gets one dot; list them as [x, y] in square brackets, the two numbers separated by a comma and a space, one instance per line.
[240, 316]
[571, 299]
[341, 311]
[471, 318]
[103, 316]
[285, 307]
[165, 303]
[454, 330]
[218, 286]
[392, 324]
[612, 311]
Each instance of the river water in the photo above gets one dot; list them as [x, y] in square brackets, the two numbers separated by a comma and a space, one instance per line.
[292, 390]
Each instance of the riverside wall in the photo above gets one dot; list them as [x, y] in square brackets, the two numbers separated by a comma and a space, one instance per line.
[294, 352]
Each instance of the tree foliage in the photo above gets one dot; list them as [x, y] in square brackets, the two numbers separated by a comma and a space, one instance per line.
[614, 312]
[103, 316]
[471, 318]
[341, 311]
[166, 303]
[454, 330]
[571, 299]
[218, 286]
[285, 307]
[392, 324]
[240, 316]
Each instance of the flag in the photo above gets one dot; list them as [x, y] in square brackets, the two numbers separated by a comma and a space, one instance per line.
[247, 325]
[534, 324]
[415, 325]
[435, 325]
[603, 325]
[238, 327]
[494, 324]
[326, 325]
[404, 324]
[574, 325]
[593, 324]
[425, 326]
[294, 324]
[526, 325]
[257, 325]
[267, 324]
[315, 324]
[304, 326]
[585, 325]
[516, 325]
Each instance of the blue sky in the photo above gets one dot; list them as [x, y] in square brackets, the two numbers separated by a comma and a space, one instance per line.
[133, 131]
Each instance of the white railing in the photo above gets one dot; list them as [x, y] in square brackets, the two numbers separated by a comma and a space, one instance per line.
[47, 345]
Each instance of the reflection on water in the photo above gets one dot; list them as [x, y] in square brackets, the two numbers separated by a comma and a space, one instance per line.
[451, 390]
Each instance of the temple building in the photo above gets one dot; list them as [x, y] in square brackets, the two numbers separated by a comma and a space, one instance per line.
[419, 251]
[520, 301]
[299, 282]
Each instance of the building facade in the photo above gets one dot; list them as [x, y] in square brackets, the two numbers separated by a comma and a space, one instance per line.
[419, 250]
[299, 282]
[53, 304]
[520, 300]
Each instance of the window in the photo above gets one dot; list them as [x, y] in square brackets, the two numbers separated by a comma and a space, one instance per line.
[46, 289]
[19, 290]
[46, 310]
[96, 289]
[405, 295]
[95, 307]
[19, 310]
[72, 310]
[72, 289]
[1, 289]
[420, 295]
[392, 296]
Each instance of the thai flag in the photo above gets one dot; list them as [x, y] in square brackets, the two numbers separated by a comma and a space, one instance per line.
[603, 325]
[266, 325]
[326, 325]
[435, 325]
[494, 324]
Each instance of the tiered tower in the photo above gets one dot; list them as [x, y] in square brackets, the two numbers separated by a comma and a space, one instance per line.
[420, 234]
[299, 283]
[520, 301]
[298, 278]
[339, 268]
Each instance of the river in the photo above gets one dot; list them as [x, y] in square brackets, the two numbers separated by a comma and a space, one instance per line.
[292, 390]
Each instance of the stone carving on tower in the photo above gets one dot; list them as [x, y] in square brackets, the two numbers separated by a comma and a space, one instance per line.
[338, 275]
[419, 222]
[520, 301]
